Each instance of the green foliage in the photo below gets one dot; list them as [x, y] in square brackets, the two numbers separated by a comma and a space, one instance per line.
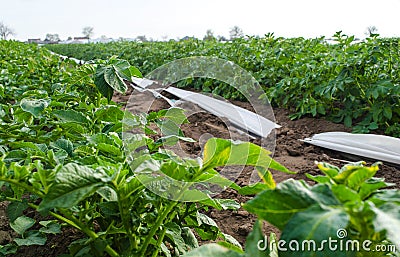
[109, 76]
[251, 250]
[62, 154]
[348, 81]
[347, 200]
[61, 141]
[219, 152]
[348, 212]
[21, 226]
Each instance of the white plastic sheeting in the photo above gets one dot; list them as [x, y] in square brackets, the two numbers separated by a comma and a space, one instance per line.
[71, 58]
[142, 82]
[241, 118]
[377, 147]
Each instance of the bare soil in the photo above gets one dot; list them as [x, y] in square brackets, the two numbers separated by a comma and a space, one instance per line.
[288, 150]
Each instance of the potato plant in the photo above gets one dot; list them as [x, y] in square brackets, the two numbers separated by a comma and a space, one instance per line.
[62, 155]
[348, 212]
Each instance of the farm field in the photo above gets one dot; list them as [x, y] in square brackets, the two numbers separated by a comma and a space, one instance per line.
[69, 189]
[351, 82]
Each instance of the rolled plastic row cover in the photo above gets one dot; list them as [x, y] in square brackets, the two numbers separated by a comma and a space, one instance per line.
[240, 117]
[377, 147]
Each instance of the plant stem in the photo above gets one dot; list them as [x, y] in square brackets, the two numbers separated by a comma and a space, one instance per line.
[24, 186]
[363, 93]
[159, 241]
[98, 99]
[72, 221]
[162, 234]
[90, 233]
[125, 216]
[156, 226]
[160, 220]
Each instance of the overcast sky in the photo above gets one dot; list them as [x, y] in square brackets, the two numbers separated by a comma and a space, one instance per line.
[179, 18]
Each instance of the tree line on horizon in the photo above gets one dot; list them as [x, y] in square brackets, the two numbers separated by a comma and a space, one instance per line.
[88, 32]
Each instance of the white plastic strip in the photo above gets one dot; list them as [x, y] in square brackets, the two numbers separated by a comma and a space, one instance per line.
[240, 117]
[377, 147]
[142, 82]
[66, 57]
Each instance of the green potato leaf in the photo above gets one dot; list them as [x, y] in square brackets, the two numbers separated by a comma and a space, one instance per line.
[34, 106]
[72, 184]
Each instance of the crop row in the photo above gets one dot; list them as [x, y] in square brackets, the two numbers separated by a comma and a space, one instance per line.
[75, 158]
[69, 153]
[353, 82]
